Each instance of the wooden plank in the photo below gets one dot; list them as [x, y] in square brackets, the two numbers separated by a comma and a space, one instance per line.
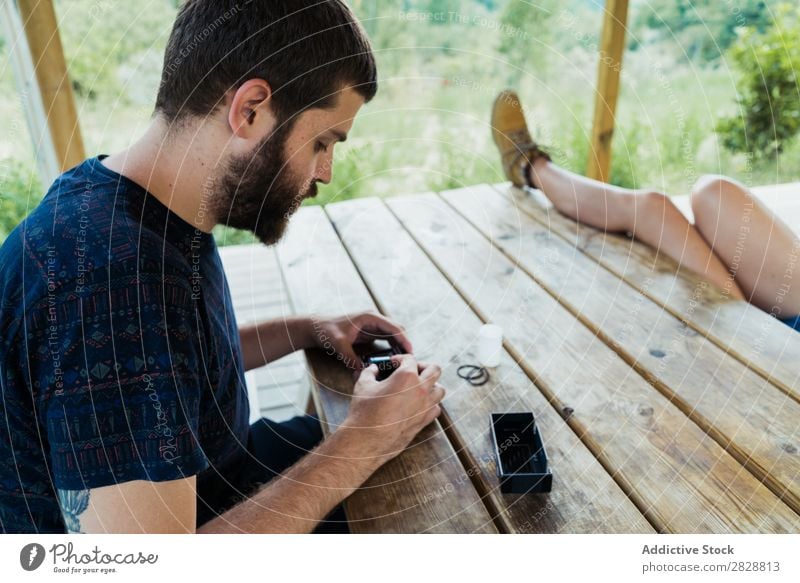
[766, 345]
[747, 415]
[612, 46]
[19, 55]
[422, 489]
[273, 375]
[282, 413]
[41, 30]
[254, 275]
[443, 329]
[681, 478]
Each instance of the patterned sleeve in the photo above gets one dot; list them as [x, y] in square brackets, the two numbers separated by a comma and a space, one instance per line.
[116, 367]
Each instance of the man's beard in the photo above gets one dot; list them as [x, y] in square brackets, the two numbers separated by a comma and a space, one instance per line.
[258, 193]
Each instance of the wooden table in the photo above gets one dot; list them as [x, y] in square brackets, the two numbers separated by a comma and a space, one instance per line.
[664, 405]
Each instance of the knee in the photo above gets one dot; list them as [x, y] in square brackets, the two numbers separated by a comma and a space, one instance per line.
[654, 198]
[711, 191]
[654, 202]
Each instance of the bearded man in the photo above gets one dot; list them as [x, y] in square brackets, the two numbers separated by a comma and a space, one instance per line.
[124, 407]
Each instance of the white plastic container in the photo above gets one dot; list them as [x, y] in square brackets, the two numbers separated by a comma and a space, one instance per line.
[490, 345]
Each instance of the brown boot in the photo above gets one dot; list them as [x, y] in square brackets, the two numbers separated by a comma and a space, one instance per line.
[510, 134]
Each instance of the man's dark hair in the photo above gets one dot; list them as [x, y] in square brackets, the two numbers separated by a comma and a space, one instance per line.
[307, 50]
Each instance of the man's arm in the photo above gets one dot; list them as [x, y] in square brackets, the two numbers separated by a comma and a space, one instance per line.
[132, 507]
[384, 417]
[292, 503]
[270, 340]
[296, 501]
[267, 341]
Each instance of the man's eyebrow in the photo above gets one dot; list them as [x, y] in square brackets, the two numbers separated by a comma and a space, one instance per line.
[340, 136]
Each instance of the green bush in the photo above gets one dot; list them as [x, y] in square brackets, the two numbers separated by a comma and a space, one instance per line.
[703, 29]
[353, 169]
[105, 43]
[20, 191]
[225, 236]
[769, 98]
[526, 35]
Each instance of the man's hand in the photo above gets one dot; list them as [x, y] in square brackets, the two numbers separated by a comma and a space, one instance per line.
[393, 411]
[336, 336]
[384, 417]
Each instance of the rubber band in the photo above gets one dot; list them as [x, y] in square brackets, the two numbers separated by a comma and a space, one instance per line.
[476, 376]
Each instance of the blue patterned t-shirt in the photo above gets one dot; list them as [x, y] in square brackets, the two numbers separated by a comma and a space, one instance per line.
[119, 351]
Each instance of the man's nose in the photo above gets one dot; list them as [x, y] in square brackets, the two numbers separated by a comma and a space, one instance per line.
[324, 171]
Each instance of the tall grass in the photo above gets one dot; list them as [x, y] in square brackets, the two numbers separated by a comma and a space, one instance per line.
[428, 128]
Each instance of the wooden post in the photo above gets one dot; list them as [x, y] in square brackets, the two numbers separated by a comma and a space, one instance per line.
[612, 45]
[19, 55]
[41, 31]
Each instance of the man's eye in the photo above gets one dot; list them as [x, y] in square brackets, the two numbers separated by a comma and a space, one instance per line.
[320, 147]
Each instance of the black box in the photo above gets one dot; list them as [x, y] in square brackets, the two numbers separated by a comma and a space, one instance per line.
[380, 354]
[521, 457]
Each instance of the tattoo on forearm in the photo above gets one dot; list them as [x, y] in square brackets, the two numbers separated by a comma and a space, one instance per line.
[73, 504]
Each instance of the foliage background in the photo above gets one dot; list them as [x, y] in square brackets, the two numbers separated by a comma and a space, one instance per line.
[692, 91]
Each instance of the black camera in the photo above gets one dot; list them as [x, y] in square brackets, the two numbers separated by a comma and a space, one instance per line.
[380, 354]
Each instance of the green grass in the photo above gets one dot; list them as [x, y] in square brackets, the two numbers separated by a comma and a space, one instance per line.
[428, 128]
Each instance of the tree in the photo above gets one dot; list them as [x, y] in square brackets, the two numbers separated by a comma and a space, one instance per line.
[19, 193]
[526, 33]
[769, 95]
[703, 28]
[99, 37]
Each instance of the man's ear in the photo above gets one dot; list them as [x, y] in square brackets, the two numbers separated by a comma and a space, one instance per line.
[250, 116]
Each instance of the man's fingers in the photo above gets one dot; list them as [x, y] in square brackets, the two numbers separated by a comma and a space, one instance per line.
[431, 373]
[350, 358]
[432, 414]
[423, 365]
[403, 341]
[437, 393]
[380, 326]
[406, 362]
[369, 373]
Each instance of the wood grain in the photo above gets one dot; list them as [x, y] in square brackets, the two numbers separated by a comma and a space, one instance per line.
[41, 30]
[418, 491]
[764, 344]
[443, 329]
[751, 418]
[609, 67]
[681, 478]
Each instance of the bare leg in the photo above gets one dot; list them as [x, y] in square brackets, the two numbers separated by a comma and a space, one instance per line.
[650, 216]
[760, 250]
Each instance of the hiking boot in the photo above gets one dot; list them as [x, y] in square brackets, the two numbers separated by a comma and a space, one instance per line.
[511, 135]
